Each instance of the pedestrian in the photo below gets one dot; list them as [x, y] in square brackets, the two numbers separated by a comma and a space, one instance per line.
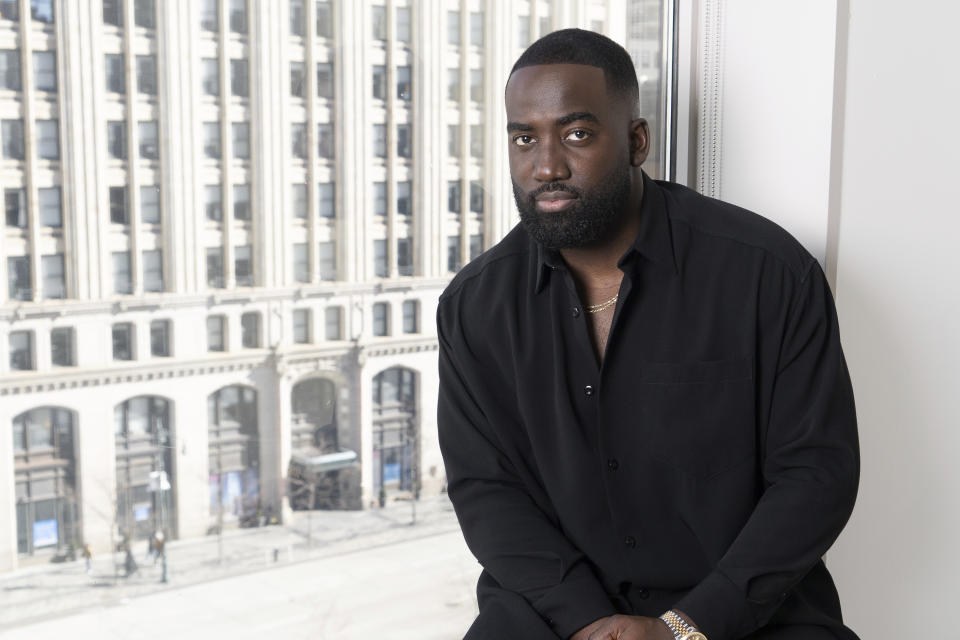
[157, 546]
[87, 555]
[129, 563]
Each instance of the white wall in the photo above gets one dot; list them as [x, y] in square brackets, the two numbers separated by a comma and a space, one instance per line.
[898, 294]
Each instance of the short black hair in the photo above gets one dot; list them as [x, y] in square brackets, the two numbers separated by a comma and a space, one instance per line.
[577, 46]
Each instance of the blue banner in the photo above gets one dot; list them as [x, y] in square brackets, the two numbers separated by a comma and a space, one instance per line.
[45, 533]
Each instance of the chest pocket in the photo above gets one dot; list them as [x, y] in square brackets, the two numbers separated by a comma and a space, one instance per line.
[697, 416]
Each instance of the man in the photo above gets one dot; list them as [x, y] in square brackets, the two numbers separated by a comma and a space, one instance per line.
[645, 415]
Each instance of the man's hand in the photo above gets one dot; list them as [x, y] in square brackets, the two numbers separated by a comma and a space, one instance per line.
[620, 627]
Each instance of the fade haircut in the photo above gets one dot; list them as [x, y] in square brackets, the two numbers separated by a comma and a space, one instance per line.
[576, 46]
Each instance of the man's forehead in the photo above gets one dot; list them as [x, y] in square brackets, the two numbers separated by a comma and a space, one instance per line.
[539, 86]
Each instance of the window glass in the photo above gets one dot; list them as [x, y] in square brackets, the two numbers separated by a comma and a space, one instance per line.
[380, 267]
[381, 319]
[453, 27]
[210, 76]
[212, 202]
[411, 319]
[209, 15]
[301, 207]
[238, 16]
[160, 338]
[301, 326]
[298, 80]
[404, 90]
[378, 16]
[296, 18]
[240, 78]
[211, 140]
[48, 139]
[21, 353]
[327, 260]
[144, 14]
[117, 139]
[148, 140]
[113, 12]
[18, 278]
[332, 323]
[325, 140]
[403, 198]
[215, 278]
[379, 82]
[44, 70]
[147, 75]
[403, 24]
[453, 254]
[250, 329]
[326, 199]
[241, 140]
[48, 202]
[15, 207]
[243, 265]
[476, 29]
[298, 139]
[122, 281]
[11, 134]
[215, 333]
[10, 70]
[122, 334]
[301, 263]
[54, 280]
[324, 20]
[405, 256]
[325, 80]
[241, 202]
[150, 204]
[153, 270]
[61, 347]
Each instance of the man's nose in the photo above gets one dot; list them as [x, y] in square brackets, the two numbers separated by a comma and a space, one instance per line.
[551, 162]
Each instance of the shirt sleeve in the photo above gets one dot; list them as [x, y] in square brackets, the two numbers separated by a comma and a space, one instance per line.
[506, 520]
[810, 467]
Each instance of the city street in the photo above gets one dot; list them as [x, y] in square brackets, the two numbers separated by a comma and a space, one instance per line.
[379, 578]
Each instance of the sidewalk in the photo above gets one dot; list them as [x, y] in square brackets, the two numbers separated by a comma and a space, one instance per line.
[45, 591]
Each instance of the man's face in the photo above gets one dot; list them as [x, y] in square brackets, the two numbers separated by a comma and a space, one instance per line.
[570, 153]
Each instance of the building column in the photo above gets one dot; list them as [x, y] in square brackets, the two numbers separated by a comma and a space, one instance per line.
[8, 502]
[97, 474]
[191, 467]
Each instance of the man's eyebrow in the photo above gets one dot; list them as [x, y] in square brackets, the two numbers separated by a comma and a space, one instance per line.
[577, 115]
[516, 126]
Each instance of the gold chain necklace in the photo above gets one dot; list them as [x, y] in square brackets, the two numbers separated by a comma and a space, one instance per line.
[597, 308]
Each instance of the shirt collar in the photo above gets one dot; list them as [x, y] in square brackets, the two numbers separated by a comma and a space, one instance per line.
[654, 240]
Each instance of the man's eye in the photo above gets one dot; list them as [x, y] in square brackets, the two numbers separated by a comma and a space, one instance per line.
[523, 140]
[578, 134]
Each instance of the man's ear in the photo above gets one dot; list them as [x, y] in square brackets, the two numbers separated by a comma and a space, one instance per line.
[639, 141]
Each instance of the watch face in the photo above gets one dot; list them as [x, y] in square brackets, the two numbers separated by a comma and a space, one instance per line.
[696, 635]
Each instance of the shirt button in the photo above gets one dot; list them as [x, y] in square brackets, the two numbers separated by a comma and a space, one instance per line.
[630, 541]
[613, 464]
[588, 390]
[643, 594]
[576, 312]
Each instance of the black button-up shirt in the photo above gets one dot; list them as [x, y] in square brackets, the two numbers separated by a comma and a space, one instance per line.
[709, 462]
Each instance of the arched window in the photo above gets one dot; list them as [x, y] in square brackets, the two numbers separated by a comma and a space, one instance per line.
[233, 431]
[44, 463]
[144, 446]
[396, 442]
[315, 415]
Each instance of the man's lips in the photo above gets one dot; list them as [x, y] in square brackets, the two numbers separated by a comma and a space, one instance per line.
[554, 200]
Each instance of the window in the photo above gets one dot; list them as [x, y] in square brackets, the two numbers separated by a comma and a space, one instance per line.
[476, 196]
[453, 27]
[148, 140]
[216, 330]
[453, 84]
[18, 278]
[403, 198]
[453, 253]
[150, 204]
[379, 82]
[238, 16]
[379, 198]
[240, 78]
[296, 18]
[213, 197]
[11, 132]
[54, 280]
[122, 281]
[297, 79]
[241, 140]
[476, 140]
[324, 20]
[544, 25]
[301, 262]
[453, 196]
[250, 330]
[523, 32]
[42, 10]
[325, 140]
[476, 85]
[381, 319]
[160, 338]
[333, 323]
[211, 140]
[116, 78]
[153, 270]
[210, 15]
[403, 24]
[215, 267]
[241, 202]
[380, 140]
[61, 347]
[144, 14]
[48, 139]
[10, 77]
[404, 141]
[298, 139]
[301, 326]
[301, 207]
[21, 350]
[147, 75]
[380, 266]
[15, 205]
[210, 76]
[404, 90]
[453, 140]
[117, 139]
[48, 202]
[10, 9]
[243, 265]
[45, 70]
[326, 199]
[405, 256]
[119, 206]
[476, 245]
[378, 15]
[476, 29]
[123, 341]
[325, 80]
[411, 316]
[327, 259]
[113, 12]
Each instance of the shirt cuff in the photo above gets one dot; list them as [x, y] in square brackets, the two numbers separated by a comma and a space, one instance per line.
[575, 602]
[718, 608]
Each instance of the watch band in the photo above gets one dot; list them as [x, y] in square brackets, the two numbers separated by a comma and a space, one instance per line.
[681, 630]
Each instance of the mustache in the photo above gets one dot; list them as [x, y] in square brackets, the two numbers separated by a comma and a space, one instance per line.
[554, 186]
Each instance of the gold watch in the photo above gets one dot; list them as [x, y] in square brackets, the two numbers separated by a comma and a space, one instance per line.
[681, 630]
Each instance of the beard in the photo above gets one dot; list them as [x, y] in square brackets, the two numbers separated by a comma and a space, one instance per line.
[591, 217]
